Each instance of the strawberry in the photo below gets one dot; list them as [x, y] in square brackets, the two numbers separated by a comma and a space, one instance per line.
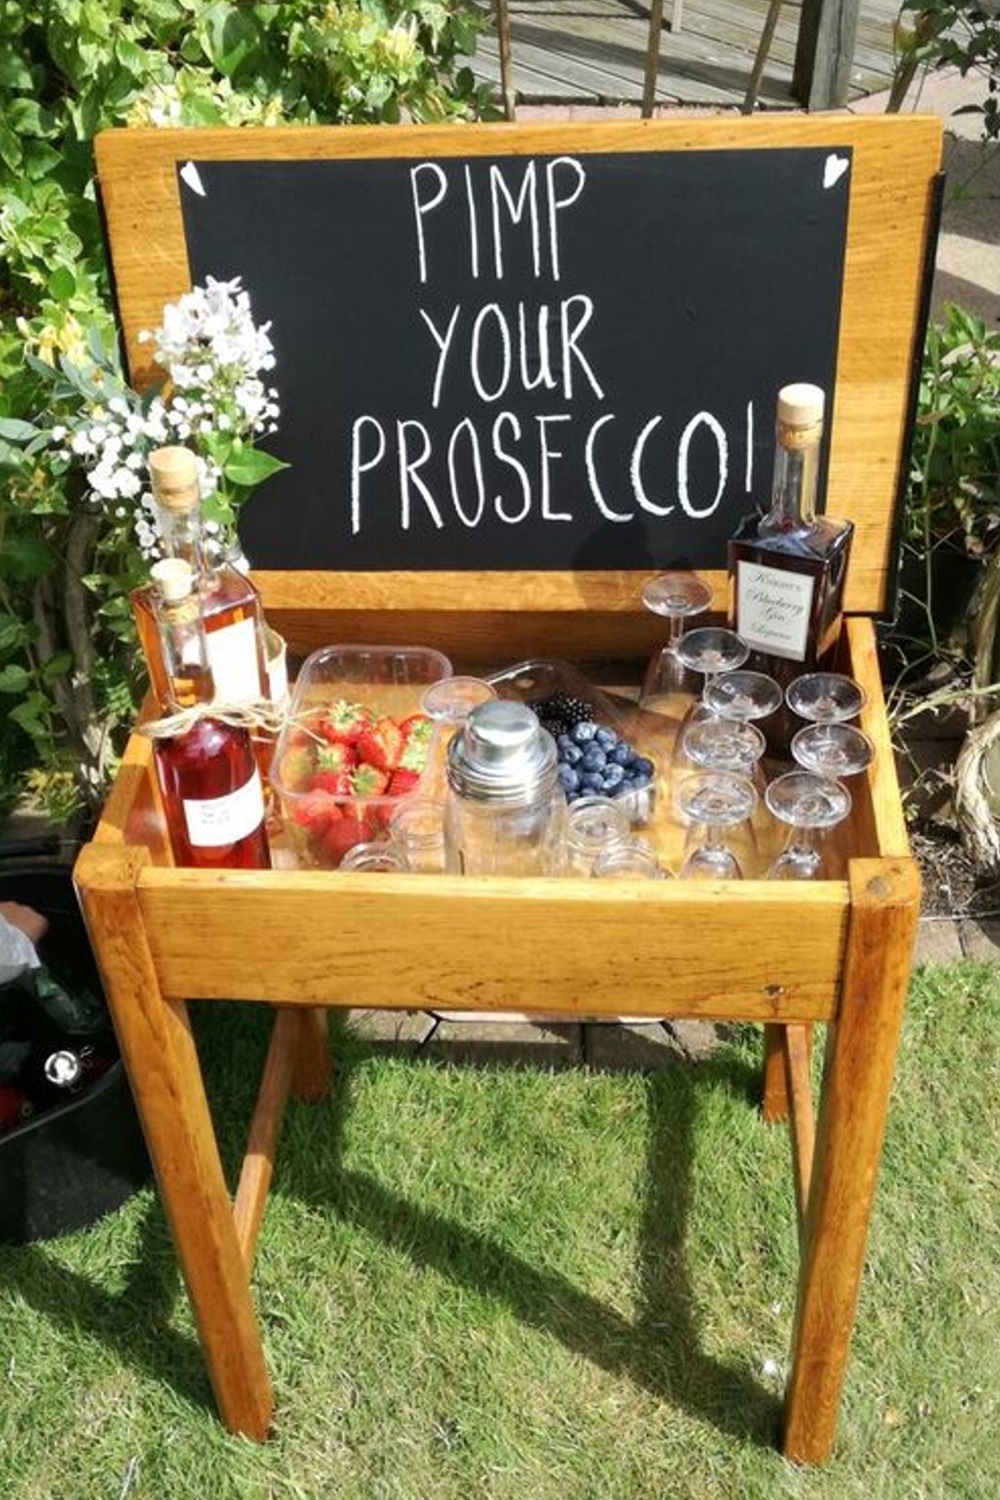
[337, 783]
[381, 744]
[402, 781]
[369, 780]
[338, 757]
[315, 811]
[343, 722]
[418, 739]
[297, 767]
[341, 836]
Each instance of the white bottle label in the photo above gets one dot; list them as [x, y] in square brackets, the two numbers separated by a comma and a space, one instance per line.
[773, 609]
[232, 656]
[214, 821]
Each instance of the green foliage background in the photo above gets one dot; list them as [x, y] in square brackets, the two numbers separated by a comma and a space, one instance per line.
[69, 68]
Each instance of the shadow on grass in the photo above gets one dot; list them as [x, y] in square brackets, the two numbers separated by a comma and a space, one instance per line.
[660, 1350]
[133, 1322]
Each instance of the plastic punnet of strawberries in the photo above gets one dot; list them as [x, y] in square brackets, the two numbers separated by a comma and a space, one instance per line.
[342, 771]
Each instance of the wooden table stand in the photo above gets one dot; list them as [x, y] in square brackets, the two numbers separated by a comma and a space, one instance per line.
[785, 955]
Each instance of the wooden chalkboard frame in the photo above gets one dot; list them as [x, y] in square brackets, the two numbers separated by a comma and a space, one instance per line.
[895, 185]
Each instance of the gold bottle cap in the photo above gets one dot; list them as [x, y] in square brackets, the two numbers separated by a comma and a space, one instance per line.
[173, 472]
[800, 405]
[174, 578]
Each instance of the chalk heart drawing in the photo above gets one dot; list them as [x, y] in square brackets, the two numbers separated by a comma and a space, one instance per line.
[834, 168]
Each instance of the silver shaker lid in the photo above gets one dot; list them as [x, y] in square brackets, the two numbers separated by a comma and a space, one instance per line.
[502, 755]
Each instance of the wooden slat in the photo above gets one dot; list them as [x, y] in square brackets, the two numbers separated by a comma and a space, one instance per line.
[594, 51]
[749, 952]
[262, 1142]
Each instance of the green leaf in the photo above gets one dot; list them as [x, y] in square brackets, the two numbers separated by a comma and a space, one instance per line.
[232, 38]
[62, 284]
[252, 467]
[13, 678]
[24, 558]
[60, 664]
[11, 632]
[17, 431]
[30, 715]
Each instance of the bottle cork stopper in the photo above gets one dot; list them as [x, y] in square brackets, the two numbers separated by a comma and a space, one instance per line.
[174, 578]
[801, 405]
[173, 472]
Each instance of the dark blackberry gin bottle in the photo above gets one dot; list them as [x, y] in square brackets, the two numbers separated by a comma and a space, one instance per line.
[787, 567]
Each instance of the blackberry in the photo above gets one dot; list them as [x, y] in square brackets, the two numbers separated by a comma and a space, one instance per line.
[559, 712]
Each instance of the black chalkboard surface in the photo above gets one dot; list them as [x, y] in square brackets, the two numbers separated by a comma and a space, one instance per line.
[544, 362]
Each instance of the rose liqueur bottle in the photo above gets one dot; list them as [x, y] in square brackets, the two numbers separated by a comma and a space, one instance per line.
[230, 605]
[787, 567]
[207, 773]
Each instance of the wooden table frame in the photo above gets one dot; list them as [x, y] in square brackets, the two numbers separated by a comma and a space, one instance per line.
[786, 956]
[783, 955]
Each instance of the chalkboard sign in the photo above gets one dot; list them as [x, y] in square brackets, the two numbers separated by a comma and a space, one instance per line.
[525, 362]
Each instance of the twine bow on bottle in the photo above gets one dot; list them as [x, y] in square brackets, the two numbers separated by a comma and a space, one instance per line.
[259, 716]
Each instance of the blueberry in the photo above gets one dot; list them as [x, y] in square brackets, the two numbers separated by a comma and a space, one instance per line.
[568, 779]
[563, 742]
[622, 753]
[571, 755]
[639, 781]
[594, 758]
[643, 766]
[592, 781]
[614, 774]
[584, 732]
[606, 738]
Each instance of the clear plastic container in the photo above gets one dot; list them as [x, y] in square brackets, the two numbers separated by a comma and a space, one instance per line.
[356, 741]
[538, 682]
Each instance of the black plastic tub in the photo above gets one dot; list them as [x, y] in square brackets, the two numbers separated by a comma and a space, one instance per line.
[68, 1166]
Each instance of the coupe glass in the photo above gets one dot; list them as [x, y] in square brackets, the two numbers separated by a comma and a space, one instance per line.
[723, 745]
[678, 597]
[810, 805]
[717, 802]
[704, 653]
[834, 750]
[825, 697]
[744, 695]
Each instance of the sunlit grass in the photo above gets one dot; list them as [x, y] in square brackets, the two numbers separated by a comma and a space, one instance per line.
[507, 1282]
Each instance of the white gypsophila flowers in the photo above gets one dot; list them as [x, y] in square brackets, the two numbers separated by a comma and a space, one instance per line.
[214, 356]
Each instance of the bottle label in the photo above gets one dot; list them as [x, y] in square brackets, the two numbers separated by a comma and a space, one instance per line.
[232, 656]
[214, 821]
[773, 610]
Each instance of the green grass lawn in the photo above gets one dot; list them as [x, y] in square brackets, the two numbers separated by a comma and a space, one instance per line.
[551, 1285]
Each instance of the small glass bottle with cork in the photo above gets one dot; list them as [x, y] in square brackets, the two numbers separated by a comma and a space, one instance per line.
[205, 766]
[230, 605]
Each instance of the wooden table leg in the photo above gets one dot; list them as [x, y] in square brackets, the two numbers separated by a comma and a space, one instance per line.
[162, 1064]
[774, 1103]
[857, 1084]
[311, 1077]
